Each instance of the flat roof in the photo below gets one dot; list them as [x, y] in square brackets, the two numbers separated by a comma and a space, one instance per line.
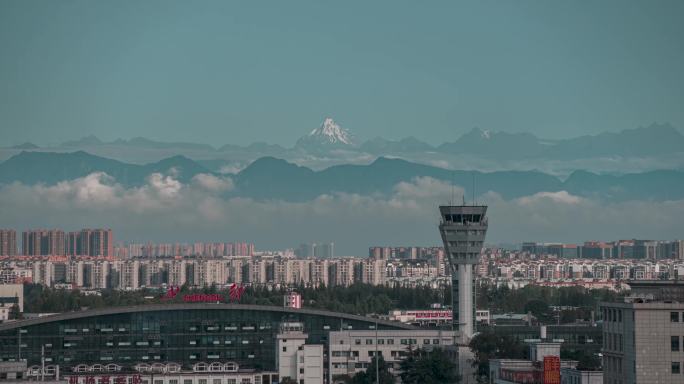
[194, 306]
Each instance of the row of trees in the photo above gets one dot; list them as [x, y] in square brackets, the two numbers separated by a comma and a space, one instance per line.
[362, 299]
[358, 298]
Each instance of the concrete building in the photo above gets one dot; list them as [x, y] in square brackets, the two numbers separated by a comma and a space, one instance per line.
[297, 360]
[463, 230]
[10, 295]
[642, 337]
[8, 242]
[575, 376]
[352, 351]
[532, 371]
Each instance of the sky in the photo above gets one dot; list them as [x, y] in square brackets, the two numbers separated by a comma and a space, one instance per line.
[223, 72]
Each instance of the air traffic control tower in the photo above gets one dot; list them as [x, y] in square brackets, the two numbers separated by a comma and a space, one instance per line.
[463, 229]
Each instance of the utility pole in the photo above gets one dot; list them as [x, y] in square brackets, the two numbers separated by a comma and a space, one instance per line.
[42, 362]
[19, 330]
[377, 360]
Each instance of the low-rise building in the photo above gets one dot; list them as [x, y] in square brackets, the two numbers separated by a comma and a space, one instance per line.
[352, 351]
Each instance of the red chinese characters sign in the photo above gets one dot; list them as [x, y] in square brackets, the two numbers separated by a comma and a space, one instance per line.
[551, 370]
[202, 298]
[104, 379]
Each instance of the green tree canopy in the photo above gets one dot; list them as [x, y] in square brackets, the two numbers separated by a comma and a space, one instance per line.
[487, 345]
[369, 375]
[429, 367]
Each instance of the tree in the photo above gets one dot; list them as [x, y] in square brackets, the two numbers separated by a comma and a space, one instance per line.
[15, 312]
[586, 361]
[429, 367]
[369, 377]
[488, 345]
[539, 309]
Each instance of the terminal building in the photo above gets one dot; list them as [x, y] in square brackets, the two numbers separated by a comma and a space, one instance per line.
[198, 343]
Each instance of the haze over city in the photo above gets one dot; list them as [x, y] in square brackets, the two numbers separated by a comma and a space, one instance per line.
[561, 89]
[300, 192]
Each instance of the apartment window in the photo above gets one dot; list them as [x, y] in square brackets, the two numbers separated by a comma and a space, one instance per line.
[187, 381]
[620, 342]
[357, 341]
[369, 341]
[674, 343]
[435, 341]
[390, 341]
[676, 368]
[284, 349]
[426, 341]
[674, 317]
[217, 381]
[173, 381]
[620, 316]
[381, 341]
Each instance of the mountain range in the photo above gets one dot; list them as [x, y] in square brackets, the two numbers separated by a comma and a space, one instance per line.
[270, 178]
[657, 146]
[651, 140]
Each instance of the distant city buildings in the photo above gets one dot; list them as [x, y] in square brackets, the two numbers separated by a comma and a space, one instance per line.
[318, 250]
[55, 242]
[8, 242]
[411, 253]
[161, 250]
[131, 274]
[621, 249]
[89, 259]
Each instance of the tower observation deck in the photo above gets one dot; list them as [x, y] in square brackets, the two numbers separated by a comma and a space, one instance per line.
[463, 229]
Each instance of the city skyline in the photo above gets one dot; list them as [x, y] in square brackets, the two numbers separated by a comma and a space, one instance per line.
[212, 192]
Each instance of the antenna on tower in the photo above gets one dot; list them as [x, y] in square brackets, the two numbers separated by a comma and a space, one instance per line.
[451, 202]
[474, 202]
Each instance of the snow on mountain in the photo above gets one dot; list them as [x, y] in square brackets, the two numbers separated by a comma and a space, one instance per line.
[332, 132]
[328, 134]
[486, 134]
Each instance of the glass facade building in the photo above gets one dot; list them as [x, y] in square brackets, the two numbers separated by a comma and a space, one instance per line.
[185, 334]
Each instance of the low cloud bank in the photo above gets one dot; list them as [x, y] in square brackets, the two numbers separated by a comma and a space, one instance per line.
[164, 209]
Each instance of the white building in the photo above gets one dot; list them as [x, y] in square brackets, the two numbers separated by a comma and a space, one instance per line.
[10, 294]
[297, 360]
[353, 351]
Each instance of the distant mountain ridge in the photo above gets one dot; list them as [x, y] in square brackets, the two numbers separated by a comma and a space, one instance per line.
[270, 178]
[51, 168]
[655, 139]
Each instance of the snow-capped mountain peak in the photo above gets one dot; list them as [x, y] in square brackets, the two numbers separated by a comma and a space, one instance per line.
[331, 132]
[485, 134]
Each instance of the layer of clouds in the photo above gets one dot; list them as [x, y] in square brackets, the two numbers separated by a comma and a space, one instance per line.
[165, 209]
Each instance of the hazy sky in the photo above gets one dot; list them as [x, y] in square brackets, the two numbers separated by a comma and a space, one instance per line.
[235, 72]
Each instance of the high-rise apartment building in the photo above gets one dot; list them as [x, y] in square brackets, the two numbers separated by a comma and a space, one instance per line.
[91, 242]
[43, 242]
[318, 250]
[8, 242]
[463, 230]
